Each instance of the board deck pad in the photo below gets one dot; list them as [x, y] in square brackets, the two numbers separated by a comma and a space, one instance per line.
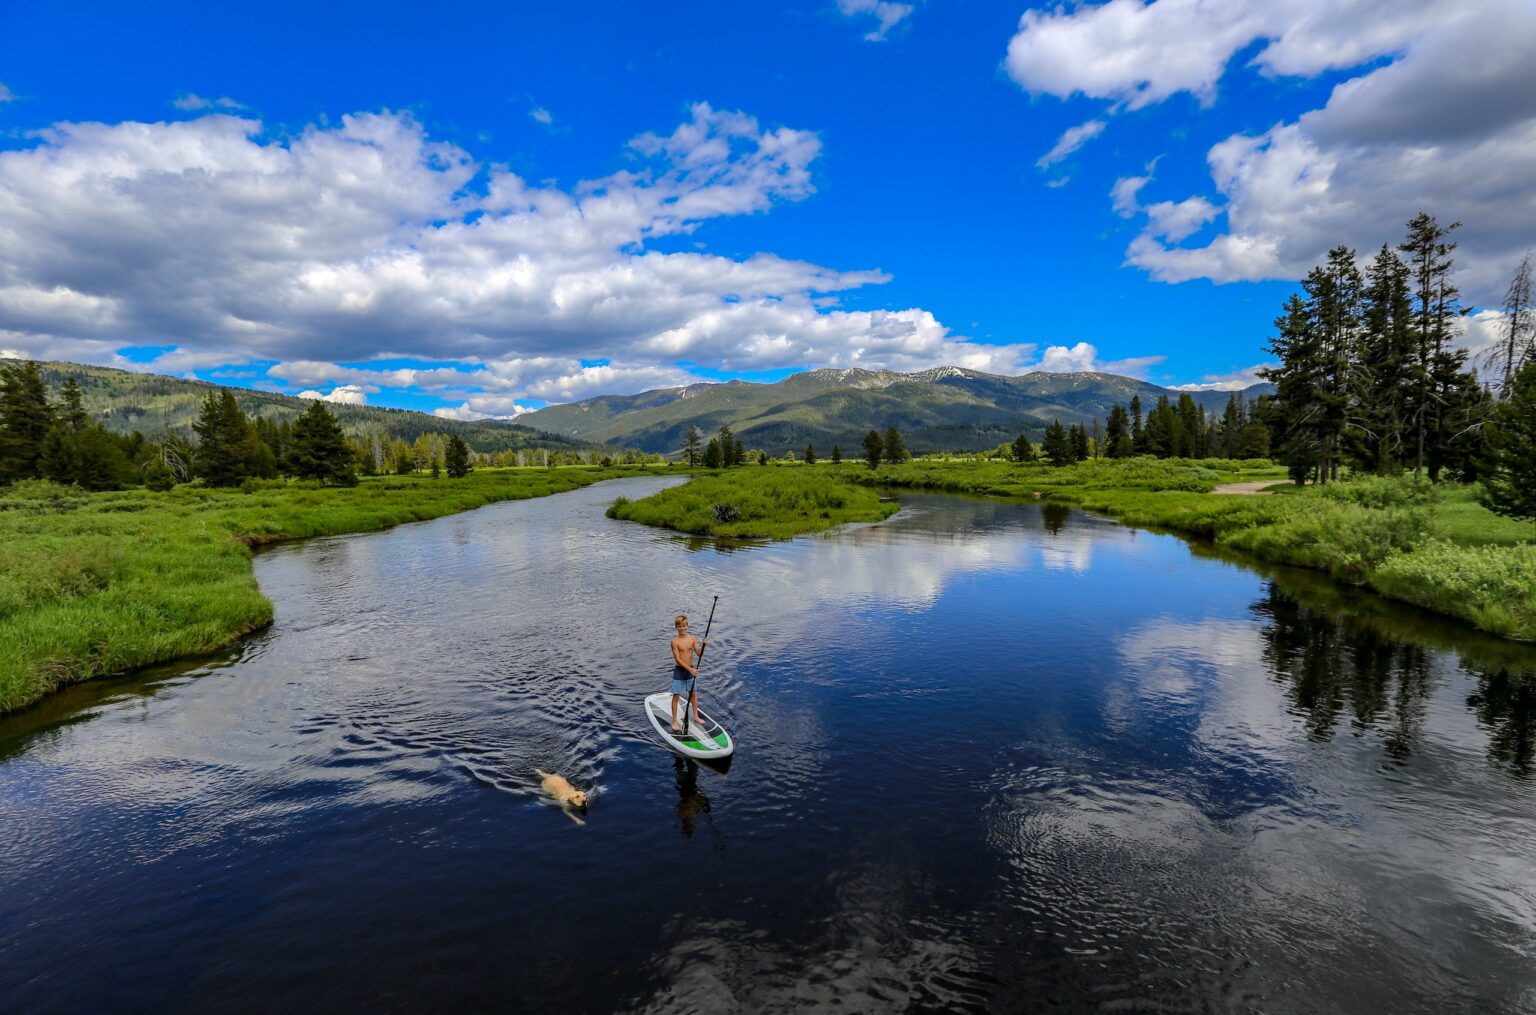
[706, 740]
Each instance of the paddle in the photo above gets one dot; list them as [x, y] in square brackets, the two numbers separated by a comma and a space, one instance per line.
[687, 711]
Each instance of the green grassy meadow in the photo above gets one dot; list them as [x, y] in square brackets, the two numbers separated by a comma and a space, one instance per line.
[754, 502]
[99, 583]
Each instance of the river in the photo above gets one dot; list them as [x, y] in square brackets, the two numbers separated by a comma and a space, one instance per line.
[990, 756]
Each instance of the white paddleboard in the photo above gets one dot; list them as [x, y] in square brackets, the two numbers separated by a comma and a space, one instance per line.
[711, 742]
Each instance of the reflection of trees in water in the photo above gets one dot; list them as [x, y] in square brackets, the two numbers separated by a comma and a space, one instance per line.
[1505, 705]
[1330, 669]
[1055, 516]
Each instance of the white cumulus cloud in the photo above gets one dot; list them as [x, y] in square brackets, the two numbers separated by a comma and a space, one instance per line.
[1441, 118]
[346, 394]
[369, 240]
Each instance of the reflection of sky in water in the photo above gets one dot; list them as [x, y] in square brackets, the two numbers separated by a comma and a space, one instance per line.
[991, 755]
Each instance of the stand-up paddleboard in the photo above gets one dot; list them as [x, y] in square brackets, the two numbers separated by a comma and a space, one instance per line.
[706, 740]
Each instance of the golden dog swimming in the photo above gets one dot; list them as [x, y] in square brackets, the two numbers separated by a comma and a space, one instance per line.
[559, 788]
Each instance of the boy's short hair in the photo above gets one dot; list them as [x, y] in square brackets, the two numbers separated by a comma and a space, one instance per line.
[680, 620]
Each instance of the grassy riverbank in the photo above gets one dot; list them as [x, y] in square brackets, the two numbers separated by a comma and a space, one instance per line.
[1431, 546]
[92, 584]
[773, 503]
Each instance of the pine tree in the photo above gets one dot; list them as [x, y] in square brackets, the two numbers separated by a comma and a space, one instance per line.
[712, 456]
[25, 419]
[456, 457]
[895, 447]
[1510, 485]
[1188, 441]
[692, 442]
[1098, 439]
[1079, 438]
[72, 406]
[874, 449]
[1518, 324]
[1057, 445]
[225, 442]
[837, 455]
[1021, 450]
[1117, 436]
[1138, 433]
[317, 449]
[1435, 306]
[100, 462]
[58, 458]
[810, 454]
[727, 442]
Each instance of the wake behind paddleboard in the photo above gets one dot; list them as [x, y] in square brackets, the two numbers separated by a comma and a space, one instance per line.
[711, 742]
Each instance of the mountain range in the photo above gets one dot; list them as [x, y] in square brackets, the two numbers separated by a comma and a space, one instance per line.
[123, 401]
[945, 408]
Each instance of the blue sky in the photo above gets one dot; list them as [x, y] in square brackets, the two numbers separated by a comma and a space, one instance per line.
[450, 210]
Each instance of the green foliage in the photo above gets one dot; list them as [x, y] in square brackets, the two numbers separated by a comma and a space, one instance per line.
[1057, 445]
[895, 447]
[775, 504]
[810, 454]
[1021, 450]
[456, 457]
[100, 583]
[874, 449]
[25, 419]
[225, 441]
[1492, 586]
[317, 449]
[1510, 486]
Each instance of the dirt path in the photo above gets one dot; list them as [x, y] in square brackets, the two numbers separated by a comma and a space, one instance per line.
[1256, 487]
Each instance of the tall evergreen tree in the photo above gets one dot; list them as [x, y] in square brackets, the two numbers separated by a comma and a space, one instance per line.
[100, 462]
[1233, 418]
[1190, 439]
[58, 459]
[1117, 437]
[1057, 445]
[1294, 409]
[1519, 325]
[1382, 387]
[874, 449]
[712, 456]
[895, 447]
[25, 419]
[72, 406]
[1138, 434]
[1079, 438]
[317, 449]
[456, 457]
[1435, 306]
[225, 442]
[810, 453]
[837, 455]
[1510, 485]
[693, 442]
[727, 447]
[1021, 450]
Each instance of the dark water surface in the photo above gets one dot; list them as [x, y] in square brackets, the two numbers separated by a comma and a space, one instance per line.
[991, 756]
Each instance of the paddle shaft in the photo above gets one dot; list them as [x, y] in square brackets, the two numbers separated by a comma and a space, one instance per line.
[693, 680]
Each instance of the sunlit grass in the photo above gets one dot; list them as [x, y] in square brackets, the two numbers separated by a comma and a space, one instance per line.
[771, 503]
[100, 583]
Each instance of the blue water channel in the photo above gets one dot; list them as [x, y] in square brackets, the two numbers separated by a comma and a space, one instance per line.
[991, 757]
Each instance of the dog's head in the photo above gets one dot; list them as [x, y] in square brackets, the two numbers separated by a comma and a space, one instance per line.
[579, 799]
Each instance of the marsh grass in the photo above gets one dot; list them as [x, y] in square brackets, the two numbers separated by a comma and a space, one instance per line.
[758, 503]
[92, 584]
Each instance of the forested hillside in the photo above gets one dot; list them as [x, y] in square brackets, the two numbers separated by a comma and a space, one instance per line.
[944, 409]
[124, 401]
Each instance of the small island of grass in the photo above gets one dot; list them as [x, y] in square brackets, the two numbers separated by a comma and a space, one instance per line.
[758, 503]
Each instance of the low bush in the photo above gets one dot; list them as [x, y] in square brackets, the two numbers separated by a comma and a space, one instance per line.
[757, 503]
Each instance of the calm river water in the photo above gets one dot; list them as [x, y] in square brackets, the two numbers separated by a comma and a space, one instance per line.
[991, 756]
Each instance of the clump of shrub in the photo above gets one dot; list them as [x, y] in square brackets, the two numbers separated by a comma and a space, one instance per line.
[767, 503]
[1492, 586]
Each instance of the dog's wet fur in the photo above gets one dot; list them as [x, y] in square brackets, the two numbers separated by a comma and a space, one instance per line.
[560, 789]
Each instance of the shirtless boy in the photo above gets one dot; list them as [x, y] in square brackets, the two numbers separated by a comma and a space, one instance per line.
[686, 650]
